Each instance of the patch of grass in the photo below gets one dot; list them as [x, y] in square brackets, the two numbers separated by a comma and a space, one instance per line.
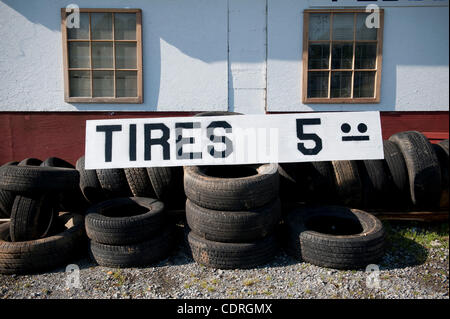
[187, 285]
[308, 291]
[267, 292]
[204, 284]
[250, 282]
[291, 283]
[27, 285]
[414, 238]
[214, 281]
[211, 289]
[269, 278]
[119, 278]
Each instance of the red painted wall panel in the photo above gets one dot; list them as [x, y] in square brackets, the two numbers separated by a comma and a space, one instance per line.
[61, 134]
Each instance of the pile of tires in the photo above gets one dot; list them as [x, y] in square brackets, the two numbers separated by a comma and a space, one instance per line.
[231, 213]
[162, 183]
[412, 175]
[334, 237]
[129, 232]
[37, 236]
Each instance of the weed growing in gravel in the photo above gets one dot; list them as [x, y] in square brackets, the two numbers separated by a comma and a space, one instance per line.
[250, 282]
[119, 278]
[187, 285]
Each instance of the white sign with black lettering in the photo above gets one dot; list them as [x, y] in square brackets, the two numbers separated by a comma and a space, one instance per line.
[237, 139]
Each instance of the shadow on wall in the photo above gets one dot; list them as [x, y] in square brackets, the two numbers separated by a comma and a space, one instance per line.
[197, 28]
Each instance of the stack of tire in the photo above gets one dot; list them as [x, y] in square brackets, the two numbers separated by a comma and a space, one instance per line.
[38, 237]
[231, 214]
[412, 175]
[128, 232]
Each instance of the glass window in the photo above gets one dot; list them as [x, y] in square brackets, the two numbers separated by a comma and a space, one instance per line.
[103, 57]
[343, 57]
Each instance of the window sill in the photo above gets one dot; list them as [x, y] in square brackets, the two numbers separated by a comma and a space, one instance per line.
[99, 100]
[341, 101]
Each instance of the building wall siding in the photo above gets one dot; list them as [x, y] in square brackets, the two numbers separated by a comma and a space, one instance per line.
[240, 55]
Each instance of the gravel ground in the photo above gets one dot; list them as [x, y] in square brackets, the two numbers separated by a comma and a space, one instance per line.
[416, 265]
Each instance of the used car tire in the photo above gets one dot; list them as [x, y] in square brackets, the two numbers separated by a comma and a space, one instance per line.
[6, 198]
[72, 200]
[56, 162]
[232, 255]
[443, 157]
[134, 255]
[46, 253]
[31, 161]
[139, 182]
[32, 216]
[348, 183]
[398, 173]
[233, 226]
[307, 182]
[89, 184]
[30, 179]
[122, 221]
[242, 187]
[161, 180]
[444, 145]
[114, 182]
[335, 237]
[423, 168]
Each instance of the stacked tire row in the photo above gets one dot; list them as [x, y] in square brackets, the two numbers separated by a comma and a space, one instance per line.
[231, 214]
[162, 183]
[128, 232]
[413, 174]
[38, 237]
[128, 225]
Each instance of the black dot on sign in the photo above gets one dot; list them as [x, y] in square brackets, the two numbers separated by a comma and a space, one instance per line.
[345, 128]
[362, 128]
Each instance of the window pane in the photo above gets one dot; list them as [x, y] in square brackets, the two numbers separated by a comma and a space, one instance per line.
[318, 56]
[317, 84]
[319, 26]
[343, 26]
[365, 55]
[102, 55]
[79, 33]
[126, 83]
[78, 54]
[341, 83]
[125, 26]
[362, 32]
[125, 55]
[101, 24]
[342, 56]
[80, 83]
[364, 84]
[103, 83]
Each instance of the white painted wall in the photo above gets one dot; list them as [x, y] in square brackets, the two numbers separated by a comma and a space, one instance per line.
[241, 55]
[415, 73]
[247, 56]
[184, 55]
